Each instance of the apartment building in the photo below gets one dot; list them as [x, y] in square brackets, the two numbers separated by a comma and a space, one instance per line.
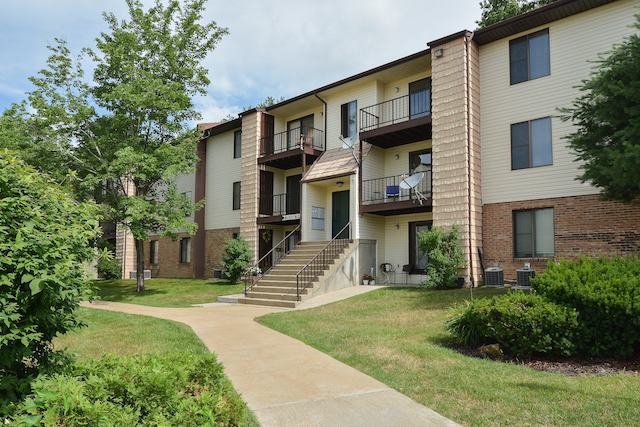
[465, 132]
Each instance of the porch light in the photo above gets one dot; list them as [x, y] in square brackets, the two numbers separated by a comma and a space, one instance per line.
[339, 183]
[438, 52]
[397, 226]
[397, 156]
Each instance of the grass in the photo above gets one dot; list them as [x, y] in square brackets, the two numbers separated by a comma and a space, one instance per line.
[125, 334]
[396, 335]
[165, 292]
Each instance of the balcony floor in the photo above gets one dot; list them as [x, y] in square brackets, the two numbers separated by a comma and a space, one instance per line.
[399, 133]
[400, 207]
[290, 159]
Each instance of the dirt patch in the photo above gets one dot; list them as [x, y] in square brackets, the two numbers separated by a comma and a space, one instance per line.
[568, 366]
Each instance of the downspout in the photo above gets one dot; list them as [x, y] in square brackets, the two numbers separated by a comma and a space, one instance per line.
[468, 37]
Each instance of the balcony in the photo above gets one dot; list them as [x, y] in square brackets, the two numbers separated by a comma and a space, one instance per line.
[383, 196]
[292, 148]
[280, 209]
[398, 121]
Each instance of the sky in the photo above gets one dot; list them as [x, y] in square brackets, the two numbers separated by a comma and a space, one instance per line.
[278, 48]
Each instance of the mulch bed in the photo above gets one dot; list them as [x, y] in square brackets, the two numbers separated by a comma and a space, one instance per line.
[568, 366]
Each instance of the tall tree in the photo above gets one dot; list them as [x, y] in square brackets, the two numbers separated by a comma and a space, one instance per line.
[127, 134]
[494, 11]
[608, 118]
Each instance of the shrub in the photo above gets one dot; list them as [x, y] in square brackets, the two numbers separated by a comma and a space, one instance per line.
[237, 260]
[44, 245]
[445, 256]
[521, 323]
[109, 268]
[174, 389]
[606, 293]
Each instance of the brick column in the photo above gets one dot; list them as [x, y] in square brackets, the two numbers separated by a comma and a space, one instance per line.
[456, 163]
[250, 179]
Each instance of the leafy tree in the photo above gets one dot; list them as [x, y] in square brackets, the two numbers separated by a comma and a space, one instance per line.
[608, 118]
[45, 242]
[268, 102]
[494, 11]
[445, 256]
[127, 135]
[238, 257]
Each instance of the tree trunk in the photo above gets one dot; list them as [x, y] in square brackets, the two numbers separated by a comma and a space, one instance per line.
[139, 265]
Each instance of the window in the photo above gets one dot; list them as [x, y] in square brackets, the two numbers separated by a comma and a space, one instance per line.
[417, 260]
[349, 119]
[236, 196]
[533, 233]
[185, 250]
[237, 144]
[529, 57]
[153, 252]
[531, 144]
[317, 218]
[420, 98]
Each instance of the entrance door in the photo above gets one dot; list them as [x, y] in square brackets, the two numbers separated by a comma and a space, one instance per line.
[339, 213]
[266, 243]
[266, 193]
[420, 98]
[293, 194]
[267, 129]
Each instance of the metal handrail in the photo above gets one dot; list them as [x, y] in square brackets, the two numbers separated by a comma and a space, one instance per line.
[279, 204]
[292, 139]
[407, 107]
[319, 262]
[387, 189]
[249, 275]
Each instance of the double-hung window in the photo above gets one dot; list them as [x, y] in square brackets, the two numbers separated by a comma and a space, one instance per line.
[185, 250]
[236, 196]
[531, 144]
[529, 57]
[533, 233]
[237, 144]
[349, 119]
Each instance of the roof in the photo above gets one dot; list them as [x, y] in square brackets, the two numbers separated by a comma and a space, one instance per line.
[335, 163]
[211, 129]
[526, 21]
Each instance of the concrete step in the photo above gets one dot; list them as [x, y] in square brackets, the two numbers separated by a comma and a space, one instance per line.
[280, 297]
[278, 290]
[268, 302]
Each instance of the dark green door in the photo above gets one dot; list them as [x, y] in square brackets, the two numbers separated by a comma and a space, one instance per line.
[340, 213]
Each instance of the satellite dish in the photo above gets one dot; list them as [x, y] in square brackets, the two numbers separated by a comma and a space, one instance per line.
[411, 182]
[350, 142]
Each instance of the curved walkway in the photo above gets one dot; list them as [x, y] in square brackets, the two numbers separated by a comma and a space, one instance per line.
[284, 381]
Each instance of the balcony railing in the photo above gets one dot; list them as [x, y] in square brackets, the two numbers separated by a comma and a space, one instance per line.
[396, 110]
[292, 139]
[280, 204]
[387, 189]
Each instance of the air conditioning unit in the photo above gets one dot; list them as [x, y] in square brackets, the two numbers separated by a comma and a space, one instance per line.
[494, 278]
[134, 274]
[523, 277]
[218, 274]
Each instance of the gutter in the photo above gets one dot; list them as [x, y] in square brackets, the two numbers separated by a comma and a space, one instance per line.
[468, 37]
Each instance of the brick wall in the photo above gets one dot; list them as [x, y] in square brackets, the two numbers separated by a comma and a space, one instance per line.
[168, 256]
[583, 225]
[214, 248]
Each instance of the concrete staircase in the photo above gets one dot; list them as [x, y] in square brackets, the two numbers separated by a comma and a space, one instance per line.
[278, 287]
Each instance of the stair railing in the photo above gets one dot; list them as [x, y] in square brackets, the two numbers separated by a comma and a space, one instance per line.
[309, 272]
[255, 273]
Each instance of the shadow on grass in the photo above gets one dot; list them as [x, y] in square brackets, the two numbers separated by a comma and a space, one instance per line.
[121, 293]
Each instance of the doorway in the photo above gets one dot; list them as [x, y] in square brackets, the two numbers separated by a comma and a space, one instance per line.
[339, 213]
[293, 194]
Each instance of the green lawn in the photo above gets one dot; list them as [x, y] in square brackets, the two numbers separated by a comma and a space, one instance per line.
[165, 292]
[396, 335]
[124, 334]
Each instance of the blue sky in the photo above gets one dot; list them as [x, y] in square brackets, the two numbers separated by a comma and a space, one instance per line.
[276, 48]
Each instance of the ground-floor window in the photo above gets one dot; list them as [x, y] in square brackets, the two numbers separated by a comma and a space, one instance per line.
[153, 252]
[185, 250]
[417, 260]
[533, 233]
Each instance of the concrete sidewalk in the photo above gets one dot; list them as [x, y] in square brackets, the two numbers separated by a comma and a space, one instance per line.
[284, 381]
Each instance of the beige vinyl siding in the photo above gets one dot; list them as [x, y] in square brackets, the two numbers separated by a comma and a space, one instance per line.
[397, 244]
[403, 85]
[314, 196]
[187, 183]
[373, 164]
[401, 165]
[573, 42]
[373, 227]
[365, 95]
[222, 171]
